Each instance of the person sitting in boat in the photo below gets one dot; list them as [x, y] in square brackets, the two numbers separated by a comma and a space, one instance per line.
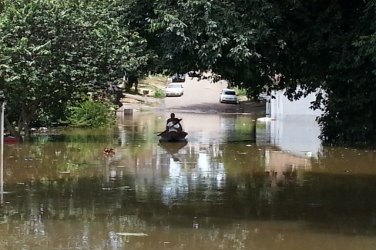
[173, 124]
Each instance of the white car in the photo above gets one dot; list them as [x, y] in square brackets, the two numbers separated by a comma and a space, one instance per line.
[228, 96]
[174, 89]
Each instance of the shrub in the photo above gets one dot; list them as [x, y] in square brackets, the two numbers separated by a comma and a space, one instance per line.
[159, 93]
[93, 114]
[241, 91]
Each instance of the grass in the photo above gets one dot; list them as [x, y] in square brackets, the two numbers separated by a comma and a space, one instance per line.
[154, 84]
[154, 80]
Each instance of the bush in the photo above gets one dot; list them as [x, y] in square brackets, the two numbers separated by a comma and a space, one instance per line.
[92, 114]
[159, 93]
[241, 91]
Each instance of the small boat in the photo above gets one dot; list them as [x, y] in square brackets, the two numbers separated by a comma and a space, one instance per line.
[172, 136]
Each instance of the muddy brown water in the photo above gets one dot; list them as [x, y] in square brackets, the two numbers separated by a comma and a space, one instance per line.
[223, 189]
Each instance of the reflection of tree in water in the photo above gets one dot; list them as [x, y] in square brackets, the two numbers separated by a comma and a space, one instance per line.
[69, 204]
[216, 188]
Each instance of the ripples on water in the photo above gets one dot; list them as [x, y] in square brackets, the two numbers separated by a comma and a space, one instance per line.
[232, 186]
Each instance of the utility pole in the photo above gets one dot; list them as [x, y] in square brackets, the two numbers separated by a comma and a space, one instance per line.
[2, 100]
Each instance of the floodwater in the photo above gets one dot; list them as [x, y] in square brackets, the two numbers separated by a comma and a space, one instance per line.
[236, 184]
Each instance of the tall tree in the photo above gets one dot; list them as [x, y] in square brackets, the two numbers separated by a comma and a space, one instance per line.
[322, 51]
[302, 46]
[53, 53]
[235, 39]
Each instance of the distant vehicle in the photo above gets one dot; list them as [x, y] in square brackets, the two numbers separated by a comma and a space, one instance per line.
[178, 77]
[174, 89]
[194, 73]
[264, 97]
[228, 96]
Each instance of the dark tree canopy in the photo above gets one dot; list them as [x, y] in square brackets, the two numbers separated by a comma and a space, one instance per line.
[316, 45]
[53, 53]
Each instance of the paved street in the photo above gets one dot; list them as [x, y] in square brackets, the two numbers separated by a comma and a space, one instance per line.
[196, 92]
[200, 96]
[203, 96]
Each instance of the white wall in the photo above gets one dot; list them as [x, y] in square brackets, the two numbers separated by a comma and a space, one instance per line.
[293, 125]
[281, 106]
[296, 134]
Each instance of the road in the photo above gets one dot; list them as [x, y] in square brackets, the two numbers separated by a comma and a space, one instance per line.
[200, 96]
[196, 92]
[203, 96]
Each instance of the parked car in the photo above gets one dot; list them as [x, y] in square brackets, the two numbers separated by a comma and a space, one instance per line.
[174, 89]
[178, 77]
[228, 96]
[194, 73]
[264, 97]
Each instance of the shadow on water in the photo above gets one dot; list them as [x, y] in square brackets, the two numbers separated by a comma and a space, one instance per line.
[222, 192]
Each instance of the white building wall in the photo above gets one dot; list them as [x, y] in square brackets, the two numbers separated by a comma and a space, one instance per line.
[281, 106]
[298, 134]
[293, 126]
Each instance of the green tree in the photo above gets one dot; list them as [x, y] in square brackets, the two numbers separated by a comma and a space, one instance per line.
[300, 46]
[232, 38]
[350, 116]
[53, 53]
[324, 49]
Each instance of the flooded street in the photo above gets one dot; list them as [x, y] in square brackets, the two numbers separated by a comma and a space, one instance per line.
[224, 189]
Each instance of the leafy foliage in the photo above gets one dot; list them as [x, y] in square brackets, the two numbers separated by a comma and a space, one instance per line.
[324, 50]
[159, 93]
[300, 46]
[233, 39]
[92, 114]
[54, 52]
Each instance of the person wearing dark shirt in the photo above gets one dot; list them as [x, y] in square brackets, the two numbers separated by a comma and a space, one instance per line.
[173, 124]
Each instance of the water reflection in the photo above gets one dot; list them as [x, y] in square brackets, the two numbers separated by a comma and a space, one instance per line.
[297, 134]
[220, 190]
[173, 148]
